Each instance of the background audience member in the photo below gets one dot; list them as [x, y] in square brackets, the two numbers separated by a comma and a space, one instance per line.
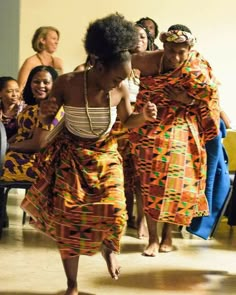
[11, 104]
[152, 27]
[23, 148]
[44, 42]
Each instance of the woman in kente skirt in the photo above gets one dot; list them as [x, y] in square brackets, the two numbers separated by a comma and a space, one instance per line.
[78, 198]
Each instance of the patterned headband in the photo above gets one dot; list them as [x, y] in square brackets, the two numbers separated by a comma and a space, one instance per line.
[178, 36]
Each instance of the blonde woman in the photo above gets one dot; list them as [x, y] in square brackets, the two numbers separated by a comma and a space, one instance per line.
[44, 42]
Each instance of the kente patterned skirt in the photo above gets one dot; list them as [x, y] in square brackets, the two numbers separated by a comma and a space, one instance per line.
[78, 197]
[125, 148]
[172, 171]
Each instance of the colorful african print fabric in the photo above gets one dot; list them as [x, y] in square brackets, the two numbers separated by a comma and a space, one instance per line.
[78, 198]
[124, 147]
[171, 151]
[18, 166]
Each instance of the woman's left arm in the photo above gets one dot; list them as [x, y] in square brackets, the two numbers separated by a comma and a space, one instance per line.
[130, 119]
[32, 145]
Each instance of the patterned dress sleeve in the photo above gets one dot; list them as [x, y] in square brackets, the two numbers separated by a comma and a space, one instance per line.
[203, 87]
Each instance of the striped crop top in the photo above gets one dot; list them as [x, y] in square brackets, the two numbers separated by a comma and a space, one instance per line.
[78, 123]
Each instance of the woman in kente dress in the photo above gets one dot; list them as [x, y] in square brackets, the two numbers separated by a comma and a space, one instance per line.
[78, 198]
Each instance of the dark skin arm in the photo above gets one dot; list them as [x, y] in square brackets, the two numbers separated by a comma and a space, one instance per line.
[130, 119]
[147, 62]
[31, 145]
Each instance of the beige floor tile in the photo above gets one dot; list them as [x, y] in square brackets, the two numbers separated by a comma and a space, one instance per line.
[30, 264]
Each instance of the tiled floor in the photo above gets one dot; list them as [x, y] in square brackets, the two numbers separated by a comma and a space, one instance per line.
[30, 264]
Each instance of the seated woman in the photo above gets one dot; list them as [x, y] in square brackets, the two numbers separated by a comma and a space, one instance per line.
[30, 137]
[11, 104]
[44, 42]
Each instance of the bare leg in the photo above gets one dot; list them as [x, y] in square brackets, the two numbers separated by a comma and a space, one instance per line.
[142, 229]
[166, 240]
[71, 271]
[112, 264]
[129, 205]
[153, 245]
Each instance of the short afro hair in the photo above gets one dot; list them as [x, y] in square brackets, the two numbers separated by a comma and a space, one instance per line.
[110, 39]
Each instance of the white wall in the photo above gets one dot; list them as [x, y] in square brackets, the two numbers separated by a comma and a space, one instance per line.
[9, 36]
[212, 21]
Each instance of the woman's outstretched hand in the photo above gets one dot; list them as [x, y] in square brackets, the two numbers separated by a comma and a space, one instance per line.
[48, 110]
[48, 107]
[150, 111]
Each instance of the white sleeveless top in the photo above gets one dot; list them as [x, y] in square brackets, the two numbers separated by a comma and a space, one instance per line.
[77, 122]
[133, 88]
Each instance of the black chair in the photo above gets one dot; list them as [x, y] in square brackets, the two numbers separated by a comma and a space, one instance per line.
[7, 185]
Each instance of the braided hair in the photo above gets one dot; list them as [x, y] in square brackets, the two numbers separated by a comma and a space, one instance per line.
[149, 37]
[142, 22]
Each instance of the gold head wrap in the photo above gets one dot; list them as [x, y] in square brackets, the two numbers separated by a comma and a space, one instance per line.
[178, 36]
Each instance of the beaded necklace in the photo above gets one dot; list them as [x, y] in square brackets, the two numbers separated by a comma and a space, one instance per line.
[87, 109]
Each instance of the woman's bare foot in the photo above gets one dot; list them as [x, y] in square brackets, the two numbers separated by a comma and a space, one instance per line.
[112, 263]
[142, 228]
[72, 291]
[166, 245]
[151, 250]
[166, 240]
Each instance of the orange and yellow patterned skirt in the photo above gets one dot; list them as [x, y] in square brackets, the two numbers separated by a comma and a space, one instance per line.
[78, 197]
